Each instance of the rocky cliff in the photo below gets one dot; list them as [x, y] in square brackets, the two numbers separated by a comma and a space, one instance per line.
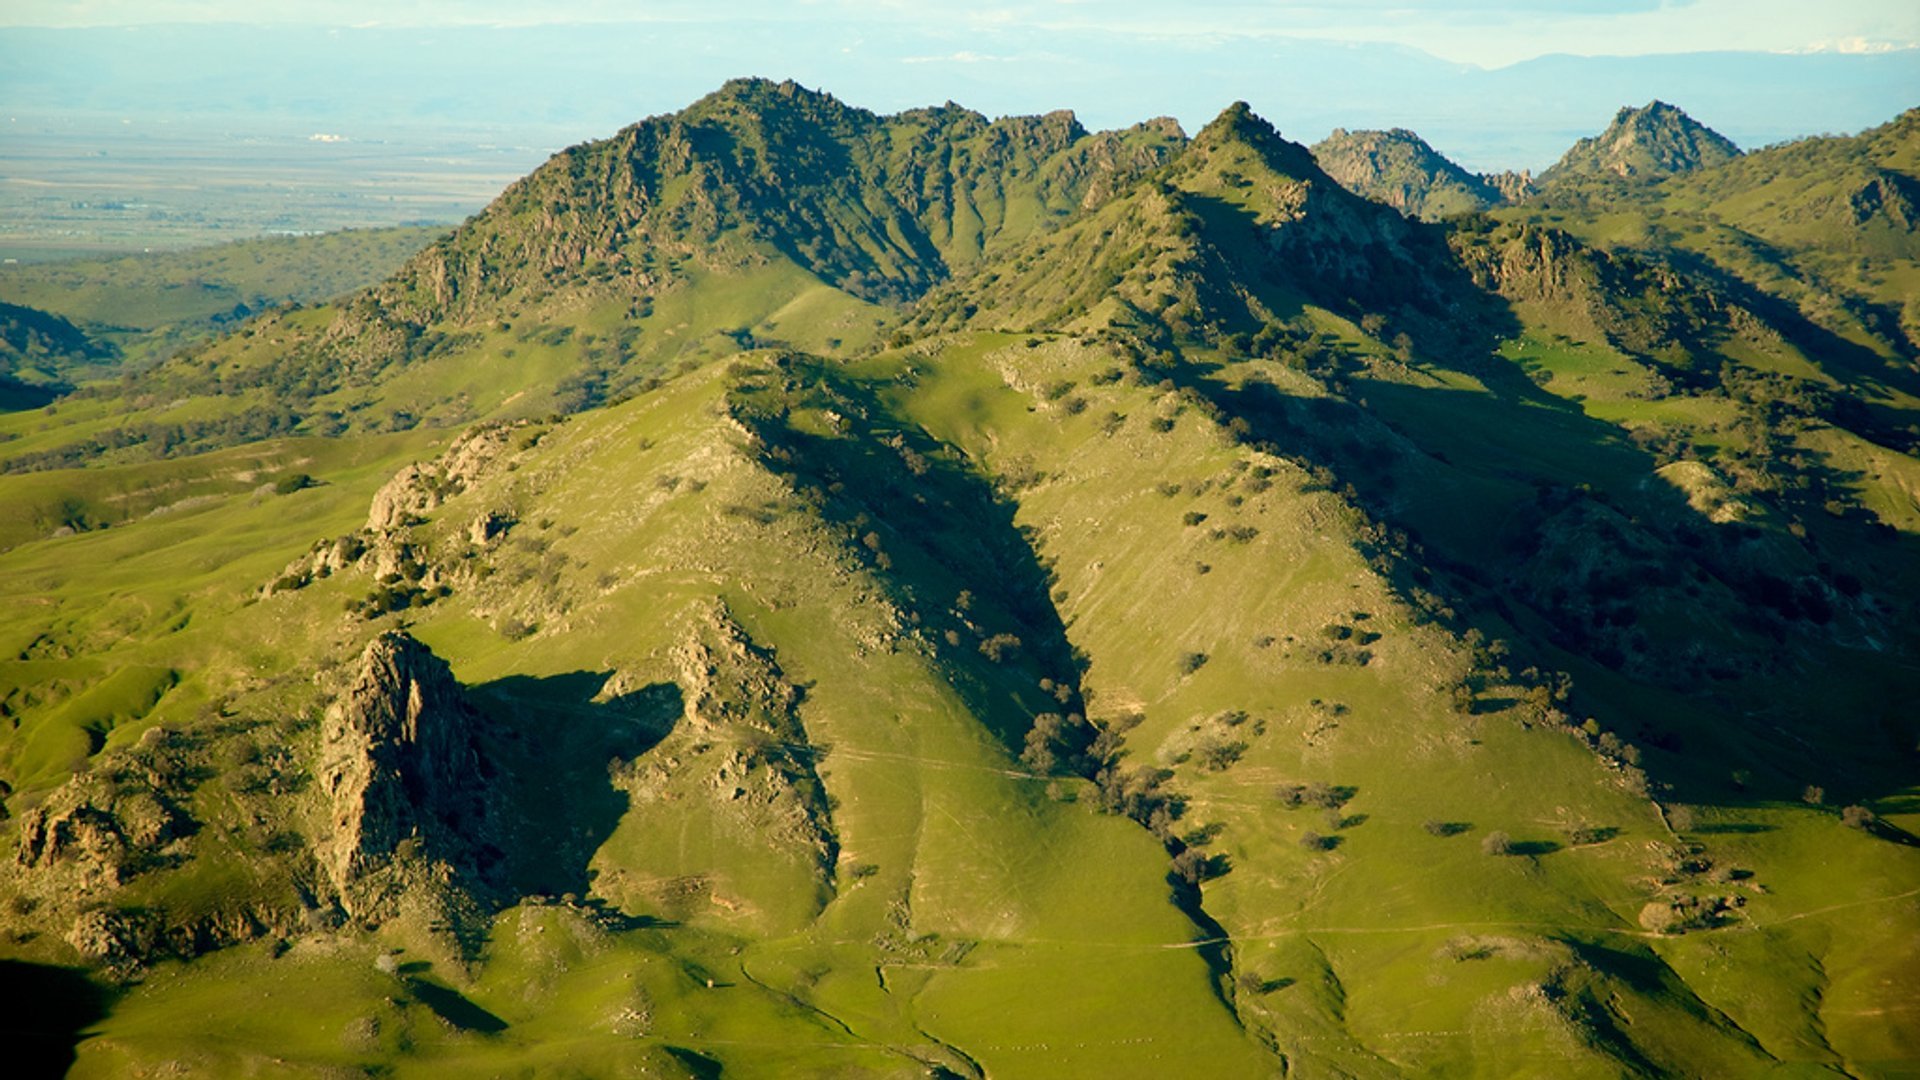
[405, 779]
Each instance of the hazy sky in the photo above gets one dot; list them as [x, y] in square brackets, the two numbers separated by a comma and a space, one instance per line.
[1488, 33]
[1493, 83]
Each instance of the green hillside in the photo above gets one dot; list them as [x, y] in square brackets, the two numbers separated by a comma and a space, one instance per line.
[793, 591]
[132, 310]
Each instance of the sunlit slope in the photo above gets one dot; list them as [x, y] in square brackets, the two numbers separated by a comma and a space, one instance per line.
[1220, 625]
[875, 819]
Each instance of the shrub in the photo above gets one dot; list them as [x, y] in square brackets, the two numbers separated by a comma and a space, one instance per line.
[999, 647]
[1192, 662]
[1220, 756]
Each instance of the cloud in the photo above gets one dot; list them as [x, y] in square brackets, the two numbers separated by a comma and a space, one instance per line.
[1855, 46]
[964, 56]
[1487, 33]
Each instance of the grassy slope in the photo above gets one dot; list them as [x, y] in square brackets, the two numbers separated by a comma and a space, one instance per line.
[974, 907]
[151, 305]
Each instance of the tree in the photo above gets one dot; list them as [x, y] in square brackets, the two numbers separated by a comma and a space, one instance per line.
[1497, 843]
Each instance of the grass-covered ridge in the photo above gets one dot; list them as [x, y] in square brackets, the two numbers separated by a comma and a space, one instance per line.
[830, 593]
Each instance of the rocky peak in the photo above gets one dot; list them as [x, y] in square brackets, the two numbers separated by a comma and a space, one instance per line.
[1648, 143]
[401, 766]
[1398, 168]
[1239, 125]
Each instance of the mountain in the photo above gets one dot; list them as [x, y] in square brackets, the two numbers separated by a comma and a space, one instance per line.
[793, 590]
[1648, 143]
[1398, 168]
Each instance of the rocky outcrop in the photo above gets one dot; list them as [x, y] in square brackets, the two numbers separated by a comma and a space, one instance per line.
[1648, 143]
[420, 489]
[404, 777]
[93, 836]
[1512, 186]
[387, 546]
[1398, 168]
[740, 759]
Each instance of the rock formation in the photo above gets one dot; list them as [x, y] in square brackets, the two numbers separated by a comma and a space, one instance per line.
[400, 766]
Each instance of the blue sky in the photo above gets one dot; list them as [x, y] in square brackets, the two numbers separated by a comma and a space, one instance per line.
[1486, 33]
[1492, 83]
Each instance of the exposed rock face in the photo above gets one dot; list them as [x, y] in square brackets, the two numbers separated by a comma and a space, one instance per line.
[411, 493]
[1645, 144]
[1888, 198]
[401, 768]
[94, 835]
[110, 939]
[1398, 168]
[419, 489]
[387, 546]
[1512, 186]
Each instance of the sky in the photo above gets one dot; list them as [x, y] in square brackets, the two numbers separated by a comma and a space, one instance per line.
[1485, 33]
[1494, 84]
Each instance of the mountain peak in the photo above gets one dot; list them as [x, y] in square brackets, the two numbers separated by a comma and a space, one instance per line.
[1239, 125]
[1238, 120]
[1399, 168]
[1652, 142]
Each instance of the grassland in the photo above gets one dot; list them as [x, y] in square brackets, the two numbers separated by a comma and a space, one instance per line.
[1158, 650]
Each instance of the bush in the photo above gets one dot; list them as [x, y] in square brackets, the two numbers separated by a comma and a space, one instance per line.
[1192, 662]
[1857, 817]
[999, 647]
[287, 485]
[1220, 756]
[1497, 843]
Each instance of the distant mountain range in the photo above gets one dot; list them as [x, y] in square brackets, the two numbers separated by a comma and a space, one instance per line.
[560, 84]
[1398, 167]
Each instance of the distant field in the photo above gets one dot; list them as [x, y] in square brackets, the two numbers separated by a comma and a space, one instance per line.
[73, 187]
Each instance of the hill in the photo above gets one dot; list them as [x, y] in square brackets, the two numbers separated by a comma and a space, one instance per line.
[1644, 144]
[794, 590]
[1398, 168]
[133, 310]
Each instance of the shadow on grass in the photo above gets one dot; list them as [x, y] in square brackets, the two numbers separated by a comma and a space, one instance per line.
[698, 1064]
[48, 1013]
[453, 1007]
[556, 736]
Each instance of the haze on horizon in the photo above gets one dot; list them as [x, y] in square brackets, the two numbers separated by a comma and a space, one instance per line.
[1759, 70]
[429, 106]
